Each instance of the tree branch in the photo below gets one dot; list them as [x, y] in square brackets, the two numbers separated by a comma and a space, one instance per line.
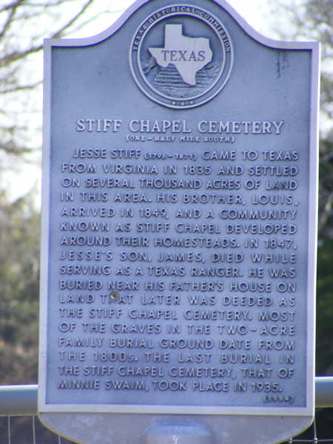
[17, 55]
[9, 6]
[13, 149]
[18, 88]
[70, 22]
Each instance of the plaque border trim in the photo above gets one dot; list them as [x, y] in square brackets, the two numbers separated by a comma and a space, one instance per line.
[43, 407]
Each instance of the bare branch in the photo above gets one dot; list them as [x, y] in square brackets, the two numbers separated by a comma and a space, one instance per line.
[10, 18]
[87, 22]
[17, 55]
[48, 4]
[13, 149]
[9, 6]
[70, 22]
[18, 88]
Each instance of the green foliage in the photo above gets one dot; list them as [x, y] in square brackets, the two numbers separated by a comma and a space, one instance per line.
[23, 26]
[325, 309]
[312, 20]
[19, 275]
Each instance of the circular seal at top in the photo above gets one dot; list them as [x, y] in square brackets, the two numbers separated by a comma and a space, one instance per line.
[181, 56]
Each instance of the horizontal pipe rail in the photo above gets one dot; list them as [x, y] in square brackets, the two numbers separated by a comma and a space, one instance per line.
[324, 392]
[21, 400]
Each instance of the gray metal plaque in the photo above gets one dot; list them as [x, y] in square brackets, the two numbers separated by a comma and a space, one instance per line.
[179, 218]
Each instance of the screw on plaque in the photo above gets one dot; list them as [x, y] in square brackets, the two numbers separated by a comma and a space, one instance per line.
[114, 295]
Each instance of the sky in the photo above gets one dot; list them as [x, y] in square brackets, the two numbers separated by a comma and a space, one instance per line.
[255, 12]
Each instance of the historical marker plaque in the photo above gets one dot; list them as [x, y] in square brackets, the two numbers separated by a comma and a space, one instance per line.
[180, 173]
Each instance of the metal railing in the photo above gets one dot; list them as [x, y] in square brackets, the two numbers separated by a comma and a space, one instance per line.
[21, 400]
